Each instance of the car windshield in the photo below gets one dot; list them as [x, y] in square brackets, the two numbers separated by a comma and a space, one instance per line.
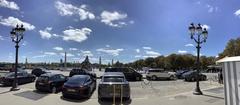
[113, 79]
[76, 80]
[43, 78]
[9, 75]
[190, 72]
[79, 70]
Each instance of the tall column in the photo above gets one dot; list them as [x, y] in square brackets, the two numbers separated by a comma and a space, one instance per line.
[65, 60]
[100, 63]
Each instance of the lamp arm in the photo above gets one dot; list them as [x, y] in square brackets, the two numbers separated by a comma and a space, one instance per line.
[195, 39]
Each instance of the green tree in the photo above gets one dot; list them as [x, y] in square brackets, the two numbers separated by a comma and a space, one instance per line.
[232, 48]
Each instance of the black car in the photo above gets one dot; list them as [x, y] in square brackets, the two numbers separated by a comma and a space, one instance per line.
[130, 74]
[179, 73]
[79, 86]
[39, 71]
[82, 72]
[192, 76]
[50, 82]
[22, 78]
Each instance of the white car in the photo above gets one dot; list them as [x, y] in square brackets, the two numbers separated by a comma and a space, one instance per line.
[155, 74]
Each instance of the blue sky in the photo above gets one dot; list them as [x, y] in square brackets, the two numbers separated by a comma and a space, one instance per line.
[124, 30]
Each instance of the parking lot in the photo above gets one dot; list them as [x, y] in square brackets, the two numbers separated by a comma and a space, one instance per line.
[141, 90]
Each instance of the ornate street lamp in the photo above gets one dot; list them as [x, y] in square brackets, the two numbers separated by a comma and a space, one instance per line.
[201, 37]
[17, 36]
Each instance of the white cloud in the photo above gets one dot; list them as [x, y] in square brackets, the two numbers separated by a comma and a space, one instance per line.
[113, 18]
[182, 52]
[131, 22]
[147, 48]
[12, 21]
[198, 2]
[9, 4]
[237, 13]
[107, 45]
[58, 48]
[77, 35]
[87, 53]
[206, 26]
[45, 34]
[1, 37]
[24, 43]
[69, 10]
[137, 56]
[153, 53]
[211, 8]
[114, 52]
[39, 56]
[73, 49]
[68, 54]
[137, 50]
[149, 56]
[189, 45]
[50, 53]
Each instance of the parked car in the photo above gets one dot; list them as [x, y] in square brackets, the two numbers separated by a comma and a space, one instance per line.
[111, 80]
[82, 72]
[39, 71]
[179, 73]
[130, 74]
[22, 78]
[192, 76]
[50, 82]
[155, 74]
[79, 86]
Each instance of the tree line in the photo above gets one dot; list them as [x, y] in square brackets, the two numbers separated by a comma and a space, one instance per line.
[173, 62]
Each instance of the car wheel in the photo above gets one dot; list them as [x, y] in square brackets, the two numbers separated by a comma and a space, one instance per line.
[33, 79]
[100, 99]
[54, 90]
[126, 98]
[154, 77]
[192, 79]
[137, 78]
[171, 77]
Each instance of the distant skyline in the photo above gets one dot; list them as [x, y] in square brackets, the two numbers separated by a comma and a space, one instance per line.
[124, 30]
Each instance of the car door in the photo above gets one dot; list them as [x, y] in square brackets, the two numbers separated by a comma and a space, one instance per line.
[129, 74]
[54, 80]
[92, 83]
[21, 79]
[62, 79]
[58, 81]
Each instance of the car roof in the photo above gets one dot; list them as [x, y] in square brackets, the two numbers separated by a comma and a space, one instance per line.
[113, 74]
[80, 76]
[49, 74]
[156, 69]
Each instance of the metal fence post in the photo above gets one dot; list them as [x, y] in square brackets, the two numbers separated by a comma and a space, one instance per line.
[114, 95]
[121, 93]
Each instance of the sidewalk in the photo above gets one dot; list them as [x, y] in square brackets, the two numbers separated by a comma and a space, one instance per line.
[27, 96]
[209, 98]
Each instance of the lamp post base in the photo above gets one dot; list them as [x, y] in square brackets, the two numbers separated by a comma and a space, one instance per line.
[197, 92]
[14, 89]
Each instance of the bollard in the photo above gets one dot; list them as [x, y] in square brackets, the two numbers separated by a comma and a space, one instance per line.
[121, 94]
[114, 95]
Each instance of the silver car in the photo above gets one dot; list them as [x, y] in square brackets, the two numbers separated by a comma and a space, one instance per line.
[113, 85]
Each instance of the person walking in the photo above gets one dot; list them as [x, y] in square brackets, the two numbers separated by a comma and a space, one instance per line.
[221, 77]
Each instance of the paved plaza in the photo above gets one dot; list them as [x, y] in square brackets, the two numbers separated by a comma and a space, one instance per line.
[177, 92]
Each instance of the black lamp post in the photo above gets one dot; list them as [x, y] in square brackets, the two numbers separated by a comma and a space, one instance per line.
[17, 36]
[201, 35]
